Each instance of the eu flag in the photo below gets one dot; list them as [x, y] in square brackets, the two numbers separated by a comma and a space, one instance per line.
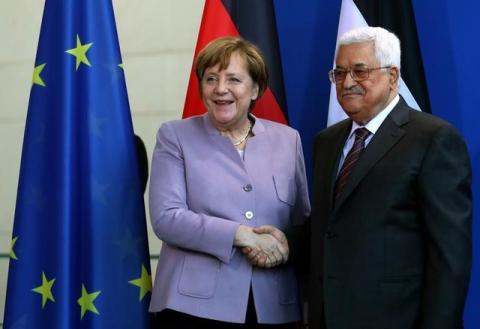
[79, 256]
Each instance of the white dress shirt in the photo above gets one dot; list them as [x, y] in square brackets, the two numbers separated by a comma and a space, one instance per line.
[372, 126]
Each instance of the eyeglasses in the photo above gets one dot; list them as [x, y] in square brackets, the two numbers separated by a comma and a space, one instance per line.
[357, 72]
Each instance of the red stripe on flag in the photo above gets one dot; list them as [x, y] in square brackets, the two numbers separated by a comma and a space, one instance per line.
[267, 107]
[216, 22]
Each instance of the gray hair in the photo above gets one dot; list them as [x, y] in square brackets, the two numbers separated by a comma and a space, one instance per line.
[386, 44]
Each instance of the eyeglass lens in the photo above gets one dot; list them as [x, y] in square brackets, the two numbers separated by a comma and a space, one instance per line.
[357, 73]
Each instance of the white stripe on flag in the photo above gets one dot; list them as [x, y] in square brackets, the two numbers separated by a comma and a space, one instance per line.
[350, 17]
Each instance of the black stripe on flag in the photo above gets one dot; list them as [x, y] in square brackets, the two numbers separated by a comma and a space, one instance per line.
[255, 21]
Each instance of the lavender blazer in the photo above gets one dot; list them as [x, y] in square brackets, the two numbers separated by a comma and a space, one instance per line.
[200, 192]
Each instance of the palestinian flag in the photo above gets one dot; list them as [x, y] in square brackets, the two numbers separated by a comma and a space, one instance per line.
[396, 16]
[255, 21]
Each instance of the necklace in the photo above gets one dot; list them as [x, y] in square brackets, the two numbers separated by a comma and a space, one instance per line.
[244, 138]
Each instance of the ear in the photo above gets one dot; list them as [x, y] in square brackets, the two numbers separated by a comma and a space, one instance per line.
[254, 92]
[394, 76]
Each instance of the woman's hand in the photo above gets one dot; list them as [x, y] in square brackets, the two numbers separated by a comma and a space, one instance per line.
[264, 246]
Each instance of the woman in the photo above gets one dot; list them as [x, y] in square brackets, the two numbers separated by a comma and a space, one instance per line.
[214, 178]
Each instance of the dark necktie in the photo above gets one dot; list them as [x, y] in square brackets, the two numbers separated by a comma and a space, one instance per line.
[361, 135]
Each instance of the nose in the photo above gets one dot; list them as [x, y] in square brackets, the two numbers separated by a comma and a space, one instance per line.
[349, 82]
[221, 87]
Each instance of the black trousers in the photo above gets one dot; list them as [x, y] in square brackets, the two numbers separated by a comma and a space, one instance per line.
[170, 319]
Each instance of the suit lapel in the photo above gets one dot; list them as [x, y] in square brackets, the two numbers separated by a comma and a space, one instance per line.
[389, 133]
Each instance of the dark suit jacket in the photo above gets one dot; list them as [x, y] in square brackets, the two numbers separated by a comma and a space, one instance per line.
[395, 249]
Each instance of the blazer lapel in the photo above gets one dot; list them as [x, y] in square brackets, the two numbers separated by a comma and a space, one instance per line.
[258, 146]
[222, 143]
[389, 133]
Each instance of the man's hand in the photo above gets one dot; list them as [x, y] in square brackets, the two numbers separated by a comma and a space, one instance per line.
[270, 249]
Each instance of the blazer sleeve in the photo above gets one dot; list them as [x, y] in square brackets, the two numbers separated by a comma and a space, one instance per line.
[302, 202]
[446, 207]
[171, 219]
[297, 234]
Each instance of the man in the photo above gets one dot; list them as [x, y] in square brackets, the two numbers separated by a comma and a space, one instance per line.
[391, 221]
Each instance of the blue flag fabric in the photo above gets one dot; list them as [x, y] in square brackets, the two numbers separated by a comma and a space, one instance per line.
[79, 256]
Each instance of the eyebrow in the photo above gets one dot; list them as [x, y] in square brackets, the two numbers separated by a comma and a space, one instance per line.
[354, 65]
[237, 74]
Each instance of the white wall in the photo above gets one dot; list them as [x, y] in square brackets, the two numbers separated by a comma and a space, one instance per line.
[157, 38]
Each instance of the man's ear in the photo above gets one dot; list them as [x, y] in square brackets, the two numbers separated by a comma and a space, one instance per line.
[394, 73]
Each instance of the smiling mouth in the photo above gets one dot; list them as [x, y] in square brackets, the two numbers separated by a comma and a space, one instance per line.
[223, 102]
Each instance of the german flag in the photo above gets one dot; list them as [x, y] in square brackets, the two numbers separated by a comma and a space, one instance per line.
[255, 21]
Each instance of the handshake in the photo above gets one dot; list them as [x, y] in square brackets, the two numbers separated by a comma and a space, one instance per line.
[264, 246]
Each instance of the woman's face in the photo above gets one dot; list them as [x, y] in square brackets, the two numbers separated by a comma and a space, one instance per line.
[227, 94]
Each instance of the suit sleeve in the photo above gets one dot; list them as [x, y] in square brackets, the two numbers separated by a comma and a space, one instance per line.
[446, 207]
[171, 219]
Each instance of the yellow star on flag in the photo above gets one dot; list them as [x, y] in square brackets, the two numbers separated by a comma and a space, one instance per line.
[45, 289]
[121, 65]
[86, 301]
[80, 52]
[12, 252]
[37, 79]
[144, 282]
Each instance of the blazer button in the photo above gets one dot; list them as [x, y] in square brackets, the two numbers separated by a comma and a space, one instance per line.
[249, 215]
[247, 188]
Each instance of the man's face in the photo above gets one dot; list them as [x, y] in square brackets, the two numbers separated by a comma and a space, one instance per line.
[363, 100]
